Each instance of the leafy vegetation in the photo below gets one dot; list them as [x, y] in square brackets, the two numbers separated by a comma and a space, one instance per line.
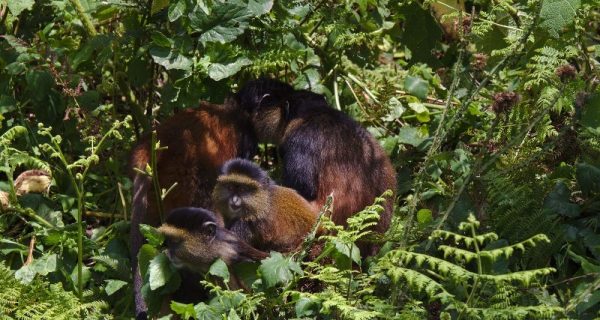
[489, 110]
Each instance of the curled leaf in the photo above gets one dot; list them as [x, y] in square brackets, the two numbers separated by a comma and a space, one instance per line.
[31, 181]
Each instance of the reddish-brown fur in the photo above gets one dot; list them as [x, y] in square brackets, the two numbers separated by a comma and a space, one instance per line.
[198, 142]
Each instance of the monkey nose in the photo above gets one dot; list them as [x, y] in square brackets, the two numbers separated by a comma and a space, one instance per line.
[235, 203]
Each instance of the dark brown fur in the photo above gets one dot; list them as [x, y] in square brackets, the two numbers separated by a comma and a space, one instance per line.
[198, 142]
[267, 216]
[323, 150]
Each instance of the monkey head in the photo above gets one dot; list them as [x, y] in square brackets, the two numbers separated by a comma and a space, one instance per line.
[195, 239]
[242, 191]
[267, 103]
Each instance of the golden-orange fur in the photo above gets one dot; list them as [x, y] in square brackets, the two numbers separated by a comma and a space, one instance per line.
[268, 216]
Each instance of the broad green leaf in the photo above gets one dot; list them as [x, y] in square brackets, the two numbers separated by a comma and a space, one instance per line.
[15, 43]
[170, 59]
[206, 312]
[349, 250]
[278, 269]
[185, 310]
[416, 86]
[304, 307]
[219, 269]
[146, 254]
[259, 7]
[421, 111]
[558, 201]
[159, 39]
[113, 286]
[588, 178]
[176, 9]
[590, 115]
[152, 235]
[556, 14]
[160, 270]
[217, 71]
[86, 275]
[411, 136]
[225, 23]
[17, 6]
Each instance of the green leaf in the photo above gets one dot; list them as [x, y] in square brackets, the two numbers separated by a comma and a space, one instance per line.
[278, 269]
[217, 71]
[206, 312]
[158, 5]
[161, 270]
[185, 310]
[416, 86]
[558, 201]
[588, 178]
[170, 59]
[556, 14]
[304, 307]
[177, 9]
[224, 24]
[349, 250]
[113, 286]
[152, 235]
[424, 216]
[146, 254]
[159, 39]
[590, 115]
[17, 6]
[219, 269]
[411, 136]
[259, 7]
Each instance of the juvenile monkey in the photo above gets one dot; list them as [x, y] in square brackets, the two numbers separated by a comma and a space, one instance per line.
[194, 240]
[322, 149]
[198, 142]
[265, 215]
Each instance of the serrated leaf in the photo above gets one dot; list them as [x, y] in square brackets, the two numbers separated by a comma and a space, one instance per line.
[217, 71]
[159, 39]
[113, 286]
[416, 86]
[558, 201]
[160, 270]
[556, 14]
[278, 269]
[219, 269]
[224, 24]
[170, 59]
[152, 235]
[177, 9]
[206, 312]
[17, 6]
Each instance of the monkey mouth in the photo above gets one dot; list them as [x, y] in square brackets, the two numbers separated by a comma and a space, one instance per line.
[175, 261]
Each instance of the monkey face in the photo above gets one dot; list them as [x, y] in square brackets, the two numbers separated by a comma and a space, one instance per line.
[238, 197]
[194, 240]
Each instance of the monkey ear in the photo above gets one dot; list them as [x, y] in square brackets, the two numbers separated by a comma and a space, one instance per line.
[209, 228]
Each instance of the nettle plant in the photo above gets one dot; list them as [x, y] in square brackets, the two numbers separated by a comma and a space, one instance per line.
[471, 280]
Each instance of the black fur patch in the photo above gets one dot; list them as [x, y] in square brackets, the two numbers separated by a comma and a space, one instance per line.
[252, 95]
[190, 218]
[247, 168]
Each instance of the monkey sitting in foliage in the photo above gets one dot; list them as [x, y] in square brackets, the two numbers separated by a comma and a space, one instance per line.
[195, 239]
[265, 215]
[198, 142]
[323, 150]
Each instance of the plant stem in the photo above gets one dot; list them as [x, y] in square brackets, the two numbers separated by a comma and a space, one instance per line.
[155, 181]
[85, 18]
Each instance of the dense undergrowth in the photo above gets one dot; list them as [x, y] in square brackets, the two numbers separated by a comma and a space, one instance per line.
[489, 110]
